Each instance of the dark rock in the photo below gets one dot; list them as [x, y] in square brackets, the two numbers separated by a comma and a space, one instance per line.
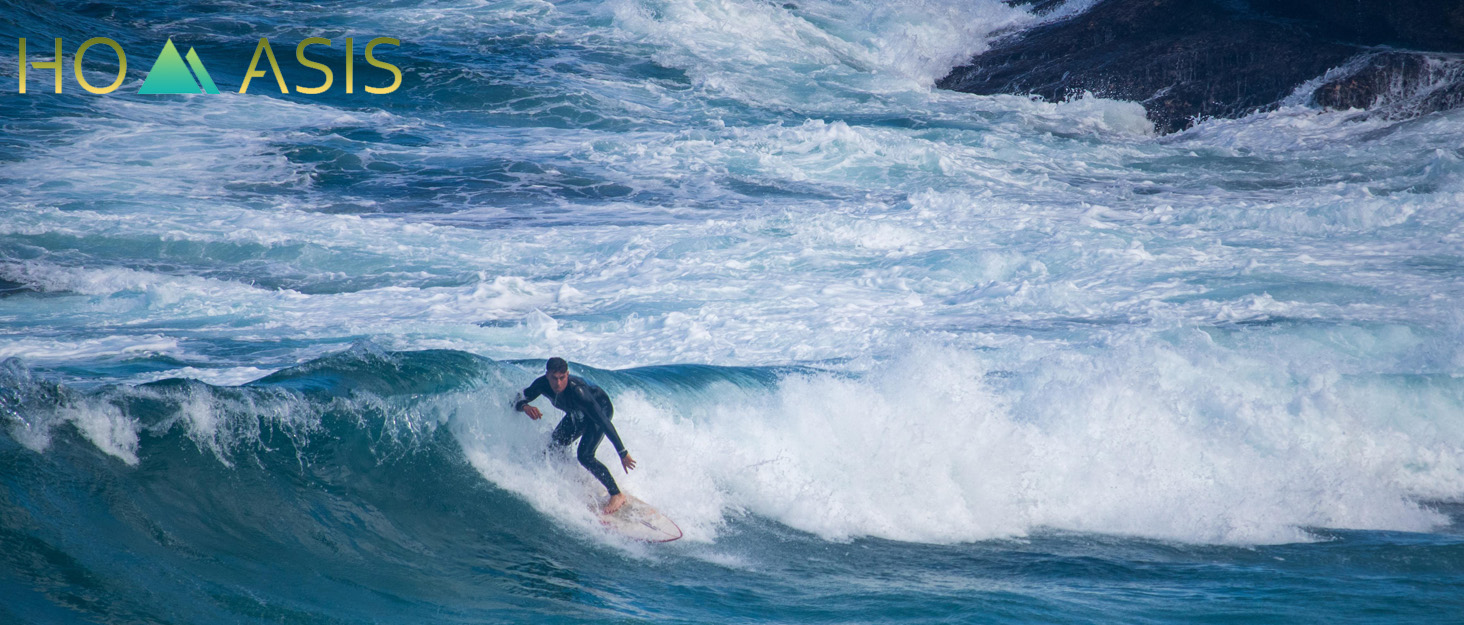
[1398, 85]
[1190, 59]
[1434, 25]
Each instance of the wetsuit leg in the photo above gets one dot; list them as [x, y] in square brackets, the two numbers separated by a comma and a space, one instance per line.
[586, 454]
[565, 432]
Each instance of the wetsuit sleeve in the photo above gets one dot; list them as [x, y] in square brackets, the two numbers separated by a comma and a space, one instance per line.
[597, 404]
[531, 393]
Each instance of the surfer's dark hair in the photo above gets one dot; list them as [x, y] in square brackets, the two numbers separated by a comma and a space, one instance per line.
[556, 365]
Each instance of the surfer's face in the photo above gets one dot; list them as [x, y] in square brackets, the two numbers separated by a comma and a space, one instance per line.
[558, 380]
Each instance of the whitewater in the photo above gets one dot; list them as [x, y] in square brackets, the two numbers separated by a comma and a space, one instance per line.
[886, 353]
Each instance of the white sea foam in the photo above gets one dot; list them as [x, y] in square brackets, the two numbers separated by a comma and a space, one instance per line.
[226, 376]
[59, 350]
[1184, 441]
[38, 411]
[752, 50]
[106, 427]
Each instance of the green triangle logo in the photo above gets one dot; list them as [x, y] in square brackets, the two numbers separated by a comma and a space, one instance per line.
[203, 79]
[169, 74]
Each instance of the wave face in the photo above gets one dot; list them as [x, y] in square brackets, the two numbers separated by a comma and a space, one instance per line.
[353, 487]
[886, 353]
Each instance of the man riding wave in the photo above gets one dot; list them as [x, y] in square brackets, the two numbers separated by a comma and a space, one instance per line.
[587, 413]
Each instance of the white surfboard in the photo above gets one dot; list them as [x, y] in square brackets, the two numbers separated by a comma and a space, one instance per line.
[639, 521]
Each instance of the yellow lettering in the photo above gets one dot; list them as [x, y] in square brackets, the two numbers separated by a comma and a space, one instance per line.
[386, 66]
[300, 56]
[251, 74]
[22, 64]
[56, 65]
[350, 66]
[121, 62]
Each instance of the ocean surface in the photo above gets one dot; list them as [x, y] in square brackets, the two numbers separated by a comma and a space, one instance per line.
[887, 354]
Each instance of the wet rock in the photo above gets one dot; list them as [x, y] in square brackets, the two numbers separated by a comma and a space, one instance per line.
[1190, 59]
[1398, 85]
[1433, 25]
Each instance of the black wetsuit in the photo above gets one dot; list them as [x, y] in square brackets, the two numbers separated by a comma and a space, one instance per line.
[587, 413]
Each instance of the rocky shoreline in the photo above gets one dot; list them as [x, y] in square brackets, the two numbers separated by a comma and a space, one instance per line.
[1186, 60]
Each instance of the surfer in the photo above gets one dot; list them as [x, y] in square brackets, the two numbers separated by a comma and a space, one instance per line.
[587, 412]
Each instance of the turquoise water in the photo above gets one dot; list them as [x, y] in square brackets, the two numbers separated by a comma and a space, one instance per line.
[885, 353]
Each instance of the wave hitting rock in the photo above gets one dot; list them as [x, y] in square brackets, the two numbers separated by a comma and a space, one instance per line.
[1187, 60]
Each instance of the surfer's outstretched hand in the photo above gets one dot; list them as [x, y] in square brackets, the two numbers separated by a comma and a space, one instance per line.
[627, 462]
[533, 412]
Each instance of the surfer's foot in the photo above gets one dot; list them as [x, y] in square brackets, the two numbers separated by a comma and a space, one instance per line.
[616, 501]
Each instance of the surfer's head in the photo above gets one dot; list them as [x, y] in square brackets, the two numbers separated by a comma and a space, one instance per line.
[557, 370]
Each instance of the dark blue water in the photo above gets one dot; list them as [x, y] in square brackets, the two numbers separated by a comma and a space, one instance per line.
[887, 354]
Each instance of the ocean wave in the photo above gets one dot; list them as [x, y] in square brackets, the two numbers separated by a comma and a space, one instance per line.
[939, 446]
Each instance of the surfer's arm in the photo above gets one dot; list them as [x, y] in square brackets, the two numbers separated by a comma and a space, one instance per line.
[626, 462]
[600, 411]
[614, 437]
[521, 403]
